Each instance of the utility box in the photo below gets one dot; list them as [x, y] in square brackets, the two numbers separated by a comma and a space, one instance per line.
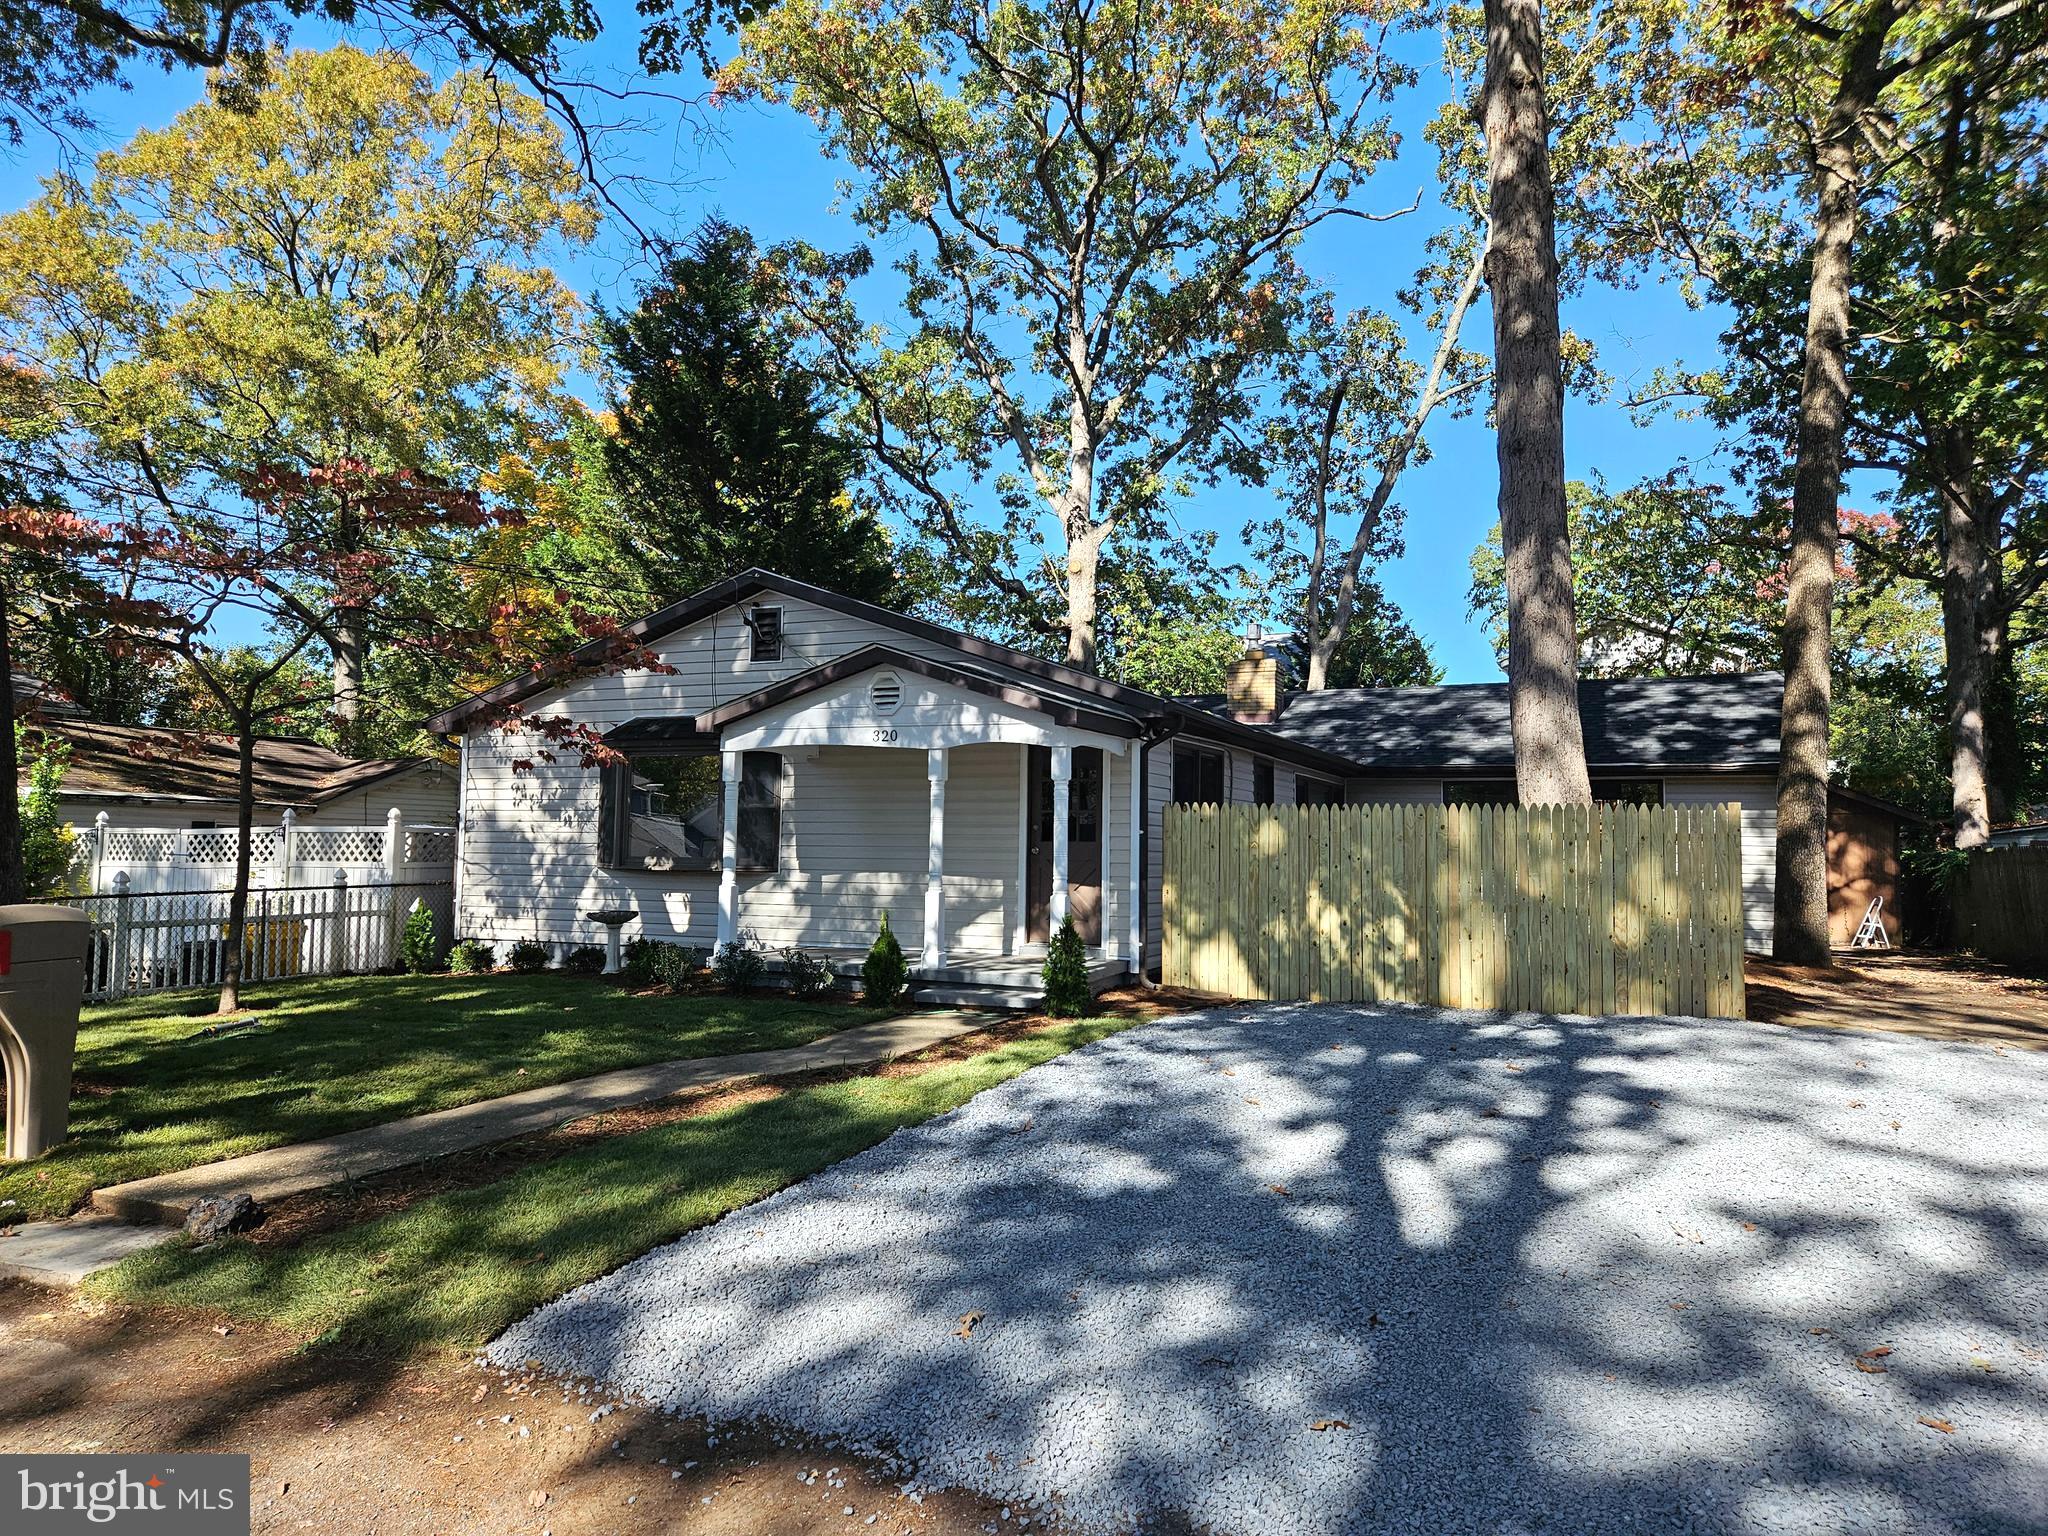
[42, 978]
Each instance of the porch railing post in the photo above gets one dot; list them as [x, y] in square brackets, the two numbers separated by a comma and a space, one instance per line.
[729, 852]
[935, 861]
[1062, 799]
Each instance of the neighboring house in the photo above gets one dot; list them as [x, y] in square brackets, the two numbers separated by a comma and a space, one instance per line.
[149, 777]
[2021, 834]
[801, 763]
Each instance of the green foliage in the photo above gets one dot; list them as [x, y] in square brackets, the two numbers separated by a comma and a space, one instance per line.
[885, 973]
[809, 975]
[636, 964]
[738, 967]
[584, 960]
[721, 448]
[1380, 648]
[1067, 992]
[471, 957]
[338, 1053]
[527, 956]
[678, 967]
[47, 842]
[419, 947]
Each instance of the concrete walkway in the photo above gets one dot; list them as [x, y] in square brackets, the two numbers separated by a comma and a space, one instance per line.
[65, 1252]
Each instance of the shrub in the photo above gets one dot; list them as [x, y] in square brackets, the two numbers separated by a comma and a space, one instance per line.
[809, 975]
[419, 947]
[884, 974]
[1066, 974]
[738, 967]
[636, 965]
[584, 960]
[528, 956]
[471, 956]
[677, 967]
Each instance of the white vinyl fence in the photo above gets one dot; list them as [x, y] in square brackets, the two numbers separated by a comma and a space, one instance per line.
[281, 856]
[157, 941]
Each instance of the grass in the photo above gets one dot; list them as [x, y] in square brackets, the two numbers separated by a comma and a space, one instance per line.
[152, 1094]
[454, 1269]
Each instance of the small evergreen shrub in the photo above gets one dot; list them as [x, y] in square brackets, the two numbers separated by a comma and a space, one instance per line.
[636, 965]
[528, 956]
[885, 973]
[419, 949]
[471, 956]
[1066, 974]
[810, 976]
[738, 967]
[584, 960]
[677, 967]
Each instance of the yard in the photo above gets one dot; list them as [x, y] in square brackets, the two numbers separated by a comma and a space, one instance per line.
[155, 1091]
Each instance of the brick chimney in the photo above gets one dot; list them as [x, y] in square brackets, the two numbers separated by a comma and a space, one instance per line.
[1252, 686]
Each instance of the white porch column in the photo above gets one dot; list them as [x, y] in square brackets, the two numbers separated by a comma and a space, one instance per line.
[1062, 798]
[1134, 946]
[935, 862]
[729, 854]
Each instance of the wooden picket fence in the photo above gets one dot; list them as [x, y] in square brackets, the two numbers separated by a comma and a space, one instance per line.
[1564, 909]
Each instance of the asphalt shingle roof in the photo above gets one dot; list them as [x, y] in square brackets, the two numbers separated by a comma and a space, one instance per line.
[1724, 721]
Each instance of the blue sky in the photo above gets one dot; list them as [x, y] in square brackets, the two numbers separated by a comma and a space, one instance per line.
[762, 167]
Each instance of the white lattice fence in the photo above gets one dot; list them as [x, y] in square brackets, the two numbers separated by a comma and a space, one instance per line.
[202, 859]
[161, 941]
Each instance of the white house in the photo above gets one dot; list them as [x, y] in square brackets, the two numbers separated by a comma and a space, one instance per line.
[795, 764]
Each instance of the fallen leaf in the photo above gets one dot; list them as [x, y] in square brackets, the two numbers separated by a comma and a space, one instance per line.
[1878, 1353]
[967, 1322]
[480, 1394]
[1679, 1306]
[1749, 1226]
[1855, 1103]
[1322, 1424]
[1230, 1071]
[1513, 1067]
[1250, 1100]
[1822, 1333]
[1941, 1424]
[1280, 1190]
[222, 1329]
[1869, 1367]
[535, 1499]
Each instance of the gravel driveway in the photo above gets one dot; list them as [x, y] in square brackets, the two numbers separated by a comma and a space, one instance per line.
[1303, 1268]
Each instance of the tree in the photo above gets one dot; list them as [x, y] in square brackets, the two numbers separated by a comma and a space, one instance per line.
[721, 449]
[1528, 409]
[1380, 649]
[342, 282]
[1097, 206]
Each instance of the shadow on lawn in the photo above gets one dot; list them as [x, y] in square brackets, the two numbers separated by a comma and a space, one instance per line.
[1558, 1274]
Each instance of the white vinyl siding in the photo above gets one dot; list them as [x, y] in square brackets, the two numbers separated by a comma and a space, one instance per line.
[1758, 798]
[425, 797]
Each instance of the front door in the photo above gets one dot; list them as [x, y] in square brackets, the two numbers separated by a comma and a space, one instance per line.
[1084, 846]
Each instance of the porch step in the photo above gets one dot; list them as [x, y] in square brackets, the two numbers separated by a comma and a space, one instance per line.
[1015, 999]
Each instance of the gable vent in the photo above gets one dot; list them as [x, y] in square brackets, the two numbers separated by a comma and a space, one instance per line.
[885, 693]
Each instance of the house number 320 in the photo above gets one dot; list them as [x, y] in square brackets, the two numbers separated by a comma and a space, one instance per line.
[884, 733]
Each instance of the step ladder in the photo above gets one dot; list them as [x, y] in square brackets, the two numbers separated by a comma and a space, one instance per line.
[1870, 932]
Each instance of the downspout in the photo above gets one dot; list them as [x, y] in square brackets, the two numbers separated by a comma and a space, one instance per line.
[1155, 735]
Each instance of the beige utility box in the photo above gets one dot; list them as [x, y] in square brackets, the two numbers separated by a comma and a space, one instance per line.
[42, 977]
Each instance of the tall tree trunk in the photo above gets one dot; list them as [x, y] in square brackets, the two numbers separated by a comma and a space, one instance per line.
[245, 825]
[2004, 757]
[1966, 567]
[351, 651]
[13, 880]
[1084, 571]
[1800, 933]
[1521, 272]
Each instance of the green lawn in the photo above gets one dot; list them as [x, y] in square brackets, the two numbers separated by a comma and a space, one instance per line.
[152, 1094]
[454, 1269]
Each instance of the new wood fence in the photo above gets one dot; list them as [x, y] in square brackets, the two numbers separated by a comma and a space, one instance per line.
[1565, 909]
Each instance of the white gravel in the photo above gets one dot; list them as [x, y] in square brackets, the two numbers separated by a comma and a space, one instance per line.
[1556, 1275]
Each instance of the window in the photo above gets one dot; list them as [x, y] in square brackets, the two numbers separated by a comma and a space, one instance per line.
[1262, 783]
[764, 631]
[1481, 792]
[1628, 791]
[1309, 791]
[665, 812]
[1197, 776]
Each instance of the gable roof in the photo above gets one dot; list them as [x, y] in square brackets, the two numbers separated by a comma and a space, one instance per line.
[1154, 714]
[1717, 723]
[138, 762]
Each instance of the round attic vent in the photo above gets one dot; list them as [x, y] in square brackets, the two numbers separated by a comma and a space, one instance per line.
[885, 693]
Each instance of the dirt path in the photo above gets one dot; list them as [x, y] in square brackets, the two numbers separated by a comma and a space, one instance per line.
[1937, 996]
[348, 1447]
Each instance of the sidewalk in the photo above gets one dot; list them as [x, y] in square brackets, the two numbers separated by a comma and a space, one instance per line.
[65, 1252]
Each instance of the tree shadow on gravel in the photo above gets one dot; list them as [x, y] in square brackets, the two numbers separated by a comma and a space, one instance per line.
[1317, 1268]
